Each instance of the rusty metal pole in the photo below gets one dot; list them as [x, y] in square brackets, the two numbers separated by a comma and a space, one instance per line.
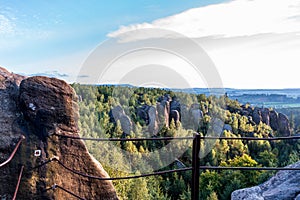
[196, 166]
[18, 183]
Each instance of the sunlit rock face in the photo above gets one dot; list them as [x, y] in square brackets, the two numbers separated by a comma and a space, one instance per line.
[41, 108]
[285, 185]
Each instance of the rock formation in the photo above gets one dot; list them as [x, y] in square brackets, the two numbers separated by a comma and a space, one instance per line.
[265, 115]
[168, 109]
[274, 120]
[117, 113]
[153, 120]
[40, 109]
[174, 115]
[150, 115]
[9, 133]
[195, 115]
[277, 121]
[256, 116]
[285, 185]
[163, 110]
[227, 127]
[283, 125]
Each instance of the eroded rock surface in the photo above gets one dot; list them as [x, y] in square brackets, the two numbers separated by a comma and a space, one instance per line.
[9, 133]
[285, 185]
[41, 108]
[118, 114]
[279, 122]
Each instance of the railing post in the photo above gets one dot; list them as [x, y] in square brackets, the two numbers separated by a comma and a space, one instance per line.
[196, 166]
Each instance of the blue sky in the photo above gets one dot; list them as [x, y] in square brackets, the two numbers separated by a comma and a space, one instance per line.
[45, 30]
[55, 37]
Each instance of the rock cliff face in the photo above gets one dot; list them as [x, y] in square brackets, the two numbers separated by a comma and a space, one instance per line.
[285, 185]
[166, 110]
[39, 109]
[9, 134]
[277, 121]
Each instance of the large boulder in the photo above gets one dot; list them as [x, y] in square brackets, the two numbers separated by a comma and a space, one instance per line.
[46, 102]
[285, 185]
[41, 109]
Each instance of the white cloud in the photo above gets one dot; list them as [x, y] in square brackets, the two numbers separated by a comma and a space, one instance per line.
[235, 18]
[6, 25]
[260, 61]
[253, 43]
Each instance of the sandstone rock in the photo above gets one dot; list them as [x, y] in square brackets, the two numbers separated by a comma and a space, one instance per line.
[8, 79]
[163, 109]
[257, 116]
[142, 112]
[251, 120]
[9, 131]
[285, 185]
[246, 110]
[274, 120]
[227, 127]
[175, 105]
[153, 117]
[46, 102]
[166, 97]
[265, 114]
[196, 115]
[150, 115]
[174, 115]
[126, 124]
[46, 107]
[253, 193]
[185, 116]
[283, 125]
[117, 113]
[9, 86]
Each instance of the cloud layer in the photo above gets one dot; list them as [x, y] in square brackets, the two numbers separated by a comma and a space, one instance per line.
[253, 43]
[235, 18]
[53, 74]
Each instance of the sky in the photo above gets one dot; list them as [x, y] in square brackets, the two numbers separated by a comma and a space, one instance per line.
[252, 43]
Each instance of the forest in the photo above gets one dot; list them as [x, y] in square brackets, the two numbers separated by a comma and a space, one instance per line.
[98, 120]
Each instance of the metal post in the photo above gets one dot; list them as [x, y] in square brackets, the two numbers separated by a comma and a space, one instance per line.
[18, 184]
[196, 166]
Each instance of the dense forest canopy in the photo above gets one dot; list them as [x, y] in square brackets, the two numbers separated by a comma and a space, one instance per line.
[129, 112]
